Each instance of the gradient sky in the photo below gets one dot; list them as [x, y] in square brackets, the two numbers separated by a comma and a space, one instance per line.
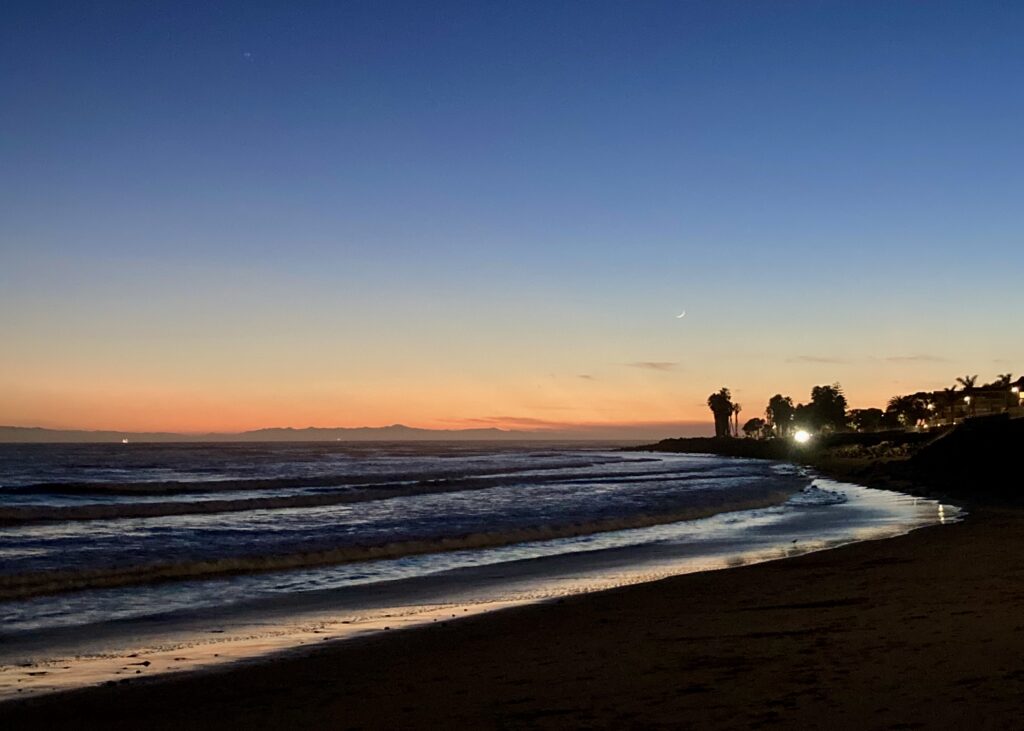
[219, 216]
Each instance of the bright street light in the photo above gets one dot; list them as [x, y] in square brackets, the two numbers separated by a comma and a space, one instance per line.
[802, 437]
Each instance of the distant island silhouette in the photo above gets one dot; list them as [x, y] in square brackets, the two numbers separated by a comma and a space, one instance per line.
[392, 433]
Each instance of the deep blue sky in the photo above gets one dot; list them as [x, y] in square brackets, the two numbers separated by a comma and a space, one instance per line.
[436, 211]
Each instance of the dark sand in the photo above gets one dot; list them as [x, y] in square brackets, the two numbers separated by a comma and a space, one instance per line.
[926, 630]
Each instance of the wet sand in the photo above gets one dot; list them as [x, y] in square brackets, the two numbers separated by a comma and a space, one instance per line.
[925, 630]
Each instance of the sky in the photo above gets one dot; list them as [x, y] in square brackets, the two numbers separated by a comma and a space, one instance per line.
[223, 216]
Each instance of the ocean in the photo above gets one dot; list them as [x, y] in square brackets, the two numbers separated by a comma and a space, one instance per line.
[114, 550]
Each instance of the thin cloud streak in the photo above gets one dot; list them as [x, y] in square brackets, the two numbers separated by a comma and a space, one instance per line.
[923, 358]
[612, 430]
[816, 359]
[654, 365]
[510, 422]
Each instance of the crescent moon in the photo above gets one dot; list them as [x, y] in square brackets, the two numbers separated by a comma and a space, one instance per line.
[681, 315]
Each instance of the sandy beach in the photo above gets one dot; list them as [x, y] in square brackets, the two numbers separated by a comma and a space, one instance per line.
[922, 630]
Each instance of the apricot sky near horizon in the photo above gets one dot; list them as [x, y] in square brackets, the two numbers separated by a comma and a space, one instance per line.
[220, 216]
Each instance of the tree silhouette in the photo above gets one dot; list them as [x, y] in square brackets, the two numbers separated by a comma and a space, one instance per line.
[720, 404]
[736, 409]
[804, 418]
[828, 407]
[950, 398]
[968, 382]
[909, 410]
[866, 419]
[780, 413]
[1003, 380]
[754, 427]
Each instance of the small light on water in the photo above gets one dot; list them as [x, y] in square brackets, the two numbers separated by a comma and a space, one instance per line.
[802, 436]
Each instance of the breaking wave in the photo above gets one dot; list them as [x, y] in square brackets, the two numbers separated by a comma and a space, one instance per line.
[24, 585]
[79, 518]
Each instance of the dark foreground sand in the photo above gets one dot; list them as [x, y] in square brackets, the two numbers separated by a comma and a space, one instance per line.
[923, 631]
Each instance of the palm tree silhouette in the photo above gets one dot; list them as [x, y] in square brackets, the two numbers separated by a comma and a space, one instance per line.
[968, 382]
[720, 404]
[950, 398]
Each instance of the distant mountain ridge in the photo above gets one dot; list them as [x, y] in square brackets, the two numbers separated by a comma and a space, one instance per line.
[636, 433]
[394, 432]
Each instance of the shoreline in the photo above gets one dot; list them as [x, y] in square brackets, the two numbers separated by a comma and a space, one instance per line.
[260, 640]
[835, 632]
[966, 464]
[163, 691]
[39, 660]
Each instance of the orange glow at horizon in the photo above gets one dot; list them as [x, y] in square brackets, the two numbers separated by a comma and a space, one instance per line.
[549, 404]
[570, 373]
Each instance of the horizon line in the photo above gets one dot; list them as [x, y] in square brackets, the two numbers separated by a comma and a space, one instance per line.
[539, 428]
[397, 431]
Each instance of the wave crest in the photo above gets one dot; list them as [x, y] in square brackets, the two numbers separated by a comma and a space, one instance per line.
[24, 585]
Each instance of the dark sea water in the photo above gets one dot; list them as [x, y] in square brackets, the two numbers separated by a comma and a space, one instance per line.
[90, 516]
[94, 536]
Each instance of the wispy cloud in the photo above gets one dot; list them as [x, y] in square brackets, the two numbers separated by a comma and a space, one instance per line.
[816, 359]
[586, 377]
[654, 365]
[922, 358]
[641, 430]
[511, 422]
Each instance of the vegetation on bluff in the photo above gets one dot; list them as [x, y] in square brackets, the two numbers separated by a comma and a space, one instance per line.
[959, 442]
[827, 410]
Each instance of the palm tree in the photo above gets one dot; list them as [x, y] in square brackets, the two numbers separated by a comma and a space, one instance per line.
[1003, 380]
[908, 409]
[720, 404]
[950, 399]
[967, 382]
[736, 409]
